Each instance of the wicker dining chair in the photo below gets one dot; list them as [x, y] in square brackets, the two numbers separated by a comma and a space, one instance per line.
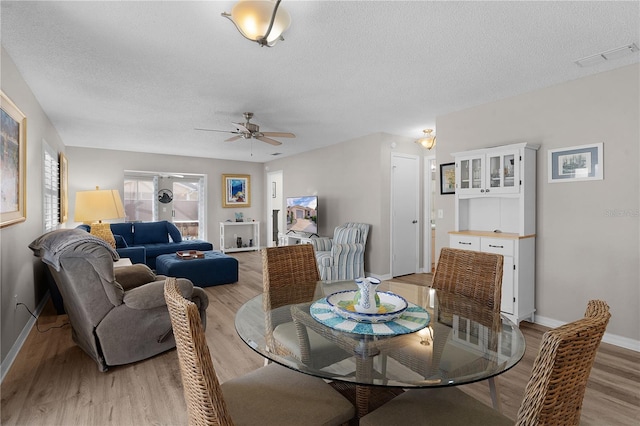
[290, 276]
[473, 274]
[478, 276]
[271, 395]
[553, 395]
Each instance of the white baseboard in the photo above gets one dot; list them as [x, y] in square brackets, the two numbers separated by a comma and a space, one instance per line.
[623, 342]
[15, 349]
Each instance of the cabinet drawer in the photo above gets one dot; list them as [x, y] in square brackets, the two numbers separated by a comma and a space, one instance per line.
[464, 242]
[497, 246]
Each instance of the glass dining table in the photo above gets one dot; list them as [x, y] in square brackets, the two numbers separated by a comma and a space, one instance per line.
[445, 340]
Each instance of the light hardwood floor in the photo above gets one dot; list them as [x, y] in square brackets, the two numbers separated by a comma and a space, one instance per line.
[52, 382]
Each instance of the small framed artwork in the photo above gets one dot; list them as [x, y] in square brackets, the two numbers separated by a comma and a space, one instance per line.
[448, 178]
[13, 163]
[236, 191]
[64, 185]
[584, 162]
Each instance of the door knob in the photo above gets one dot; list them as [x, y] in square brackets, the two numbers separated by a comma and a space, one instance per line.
[415, 221]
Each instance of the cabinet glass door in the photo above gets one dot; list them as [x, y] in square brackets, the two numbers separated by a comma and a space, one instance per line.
[509, 170]
[465, 182]
[502, 173]
[476, 168]
[471, 171]
[495, 171]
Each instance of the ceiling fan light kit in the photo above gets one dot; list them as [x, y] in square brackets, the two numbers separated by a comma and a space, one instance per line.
[261, 21]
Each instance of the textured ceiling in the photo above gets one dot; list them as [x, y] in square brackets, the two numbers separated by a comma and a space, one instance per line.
[141, 76]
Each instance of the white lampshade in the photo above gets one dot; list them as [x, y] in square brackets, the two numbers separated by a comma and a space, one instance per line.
[252, 18]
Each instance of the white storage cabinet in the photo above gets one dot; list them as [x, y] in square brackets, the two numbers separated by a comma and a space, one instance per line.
[495, 212]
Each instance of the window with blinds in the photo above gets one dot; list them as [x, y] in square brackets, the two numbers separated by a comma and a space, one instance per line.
[51, 188]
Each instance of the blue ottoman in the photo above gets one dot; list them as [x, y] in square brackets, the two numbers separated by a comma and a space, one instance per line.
[215, 268]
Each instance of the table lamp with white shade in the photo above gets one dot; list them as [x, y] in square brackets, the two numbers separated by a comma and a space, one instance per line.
[92, 207]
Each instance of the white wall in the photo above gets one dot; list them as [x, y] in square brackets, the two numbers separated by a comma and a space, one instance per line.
[588, 233]
[84, 174]
[21, 273]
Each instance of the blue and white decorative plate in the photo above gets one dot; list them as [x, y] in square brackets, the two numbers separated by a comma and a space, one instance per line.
[413, 318]
[391, 306]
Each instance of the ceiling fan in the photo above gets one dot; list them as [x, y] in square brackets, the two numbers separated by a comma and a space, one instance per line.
[249, 130]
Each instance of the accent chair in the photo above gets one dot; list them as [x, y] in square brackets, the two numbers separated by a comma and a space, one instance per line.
[342, 257]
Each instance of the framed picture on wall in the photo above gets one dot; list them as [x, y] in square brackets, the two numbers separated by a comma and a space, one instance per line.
[236, 191]
[13, 163]
[584, 162]
[448, 178]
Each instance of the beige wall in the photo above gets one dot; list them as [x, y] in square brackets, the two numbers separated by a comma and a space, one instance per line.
[588, 234]
[21, 273]
[353, 182]
[83, 175]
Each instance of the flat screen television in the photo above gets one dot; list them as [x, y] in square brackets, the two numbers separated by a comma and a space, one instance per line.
[302, 214]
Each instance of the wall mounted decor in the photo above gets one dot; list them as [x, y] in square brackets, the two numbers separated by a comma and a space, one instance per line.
[448, 178]
[13, 163]
[64, 186]
[236, 191]
[584, 162]
[165, 196]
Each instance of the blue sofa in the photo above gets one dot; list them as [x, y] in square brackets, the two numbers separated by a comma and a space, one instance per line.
[142, 242]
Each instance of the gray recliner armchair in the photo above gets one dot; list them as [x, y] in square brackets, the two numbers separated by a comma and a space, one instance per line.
[118, 316]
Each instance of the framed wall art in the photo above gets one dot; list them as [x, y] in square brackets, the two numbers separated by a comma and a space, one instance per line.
[236, 191]
[584, 162]
[448, 178]
[64, 185]
[13, 163]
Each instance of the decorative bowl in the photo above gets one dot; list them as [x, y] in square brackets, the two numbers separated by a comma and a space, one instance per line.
[391, 307]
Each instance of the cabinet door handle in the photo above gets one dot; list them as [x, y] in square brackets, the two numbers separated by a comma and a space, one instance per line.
[487, 190]
[482, 190]
[491, 245]
[462, 242]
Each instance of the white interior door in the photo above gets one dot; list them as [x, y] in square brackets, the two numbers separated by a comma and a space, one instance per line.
[405, 225]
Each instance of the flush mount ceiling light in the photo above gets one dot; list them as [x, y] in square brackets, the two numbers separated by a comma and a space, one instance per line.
[262, 21]
[428, 141]
[616, 53]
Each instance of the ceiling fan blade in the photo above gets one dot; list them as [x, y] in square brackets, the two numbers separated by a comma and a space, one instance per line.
[212, 130]
[269, 140]
[279, 134]
[233, 138]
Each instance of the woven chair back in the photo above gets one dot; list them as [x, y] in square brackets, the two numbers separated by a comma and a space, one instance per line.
[289, 275]
[555, 391]
[202, 392]
[472, 274]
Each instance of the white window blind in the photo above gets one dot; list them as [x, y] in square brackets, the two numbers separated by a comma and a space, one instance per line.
[51, 188]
